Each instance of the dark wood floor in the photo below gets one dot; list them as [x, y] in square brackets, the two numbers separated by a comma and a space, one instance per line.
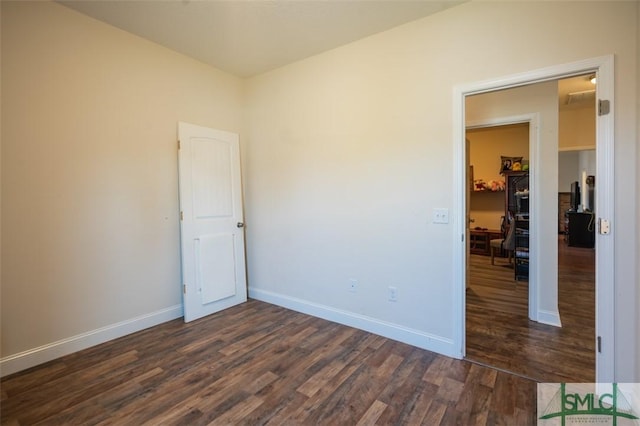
[500, 334]
[258, 364]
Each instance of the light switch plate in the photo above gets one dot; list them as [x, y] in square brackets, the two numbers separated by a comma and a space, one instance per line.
[441, 215]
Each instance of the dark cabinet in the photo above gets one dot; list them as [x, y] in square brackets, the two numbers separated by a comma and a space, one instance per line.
[581, 229]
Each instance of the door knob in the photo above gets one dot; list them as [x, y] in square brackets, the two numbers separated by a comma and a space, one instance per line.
[240, 225]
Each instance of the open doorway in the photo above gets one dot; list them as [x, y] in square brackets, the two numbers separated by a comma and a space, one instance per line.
[498, 325]
[544, 228]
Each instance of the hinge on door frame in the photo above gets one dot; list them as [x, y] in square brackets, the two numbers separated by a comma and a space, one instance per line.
[184, 288]
[604, 227]
[604, 106]
[181, 215]
[178, 144]
[599, 344]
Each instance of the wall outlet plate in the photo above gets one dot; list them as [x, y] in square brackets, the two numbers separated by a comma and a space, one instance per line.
[353, 285]
[393, 294]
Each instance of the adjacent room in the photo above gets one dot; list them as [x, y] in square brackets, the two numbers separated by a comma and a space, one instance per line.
[346, 242]
[498, 286]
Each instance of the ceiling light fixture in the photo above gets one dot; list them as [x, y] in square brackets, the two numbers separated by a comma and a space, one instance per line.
[592, 79]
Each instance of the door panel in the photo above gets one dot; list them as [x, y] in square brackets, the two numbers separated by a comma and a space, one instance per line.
[215, 263]
[212, 180]
[212, 242]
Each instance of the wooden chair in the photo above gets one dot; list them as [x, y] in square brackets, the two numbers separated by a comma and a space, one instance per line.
[505, 243]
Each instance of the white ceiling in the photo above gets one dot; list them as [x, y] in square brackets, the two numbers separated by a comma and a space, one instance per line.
[248, 37]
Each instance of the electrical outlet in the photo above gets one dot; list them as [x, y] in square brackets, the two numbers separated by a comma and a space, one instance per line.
[353, 285]
[393, 294]
[440, 215]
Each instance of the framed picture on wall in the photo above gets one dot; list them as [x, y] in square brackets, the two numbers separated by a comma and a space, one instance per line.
[508, 164]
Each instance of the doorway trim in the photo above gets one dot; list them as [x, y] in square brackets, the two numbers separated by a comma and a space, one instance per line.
[533, 120]
[604, 69]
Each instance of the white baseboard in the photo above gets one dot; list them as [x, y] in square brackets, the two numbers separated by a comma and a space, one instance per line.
[397, 332]
[549, 318]
[32, 357]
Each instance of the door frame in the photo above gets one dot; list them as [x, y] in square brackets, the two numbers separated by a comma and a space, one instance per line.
[533, 119]
[603, 67]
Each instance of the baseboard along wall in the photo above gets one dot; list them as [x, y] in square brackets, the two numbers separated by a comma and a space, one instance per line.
[36, 356]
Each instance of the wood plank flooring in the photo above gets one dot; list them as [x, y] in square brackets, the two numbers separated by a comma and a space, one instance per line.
[259, 364]
[500, 334]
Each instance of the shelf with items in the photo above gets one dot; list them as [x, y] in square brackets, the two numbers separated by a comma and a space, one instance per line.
[484, 186]
[521, 250]
[480, 186]
[517, 206]
[515, 183]
[486, 191]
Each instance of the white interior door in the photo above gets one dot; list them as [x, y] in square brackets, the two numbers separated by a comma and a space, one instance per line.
[211, 225]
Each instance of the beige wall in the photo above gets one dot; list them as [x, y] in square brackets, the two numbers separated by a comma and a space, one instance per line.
[349, 152]
[486, 146]
[637, 180]
[89, 171]
[1, 185]
[345, 154]
[577, 128]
